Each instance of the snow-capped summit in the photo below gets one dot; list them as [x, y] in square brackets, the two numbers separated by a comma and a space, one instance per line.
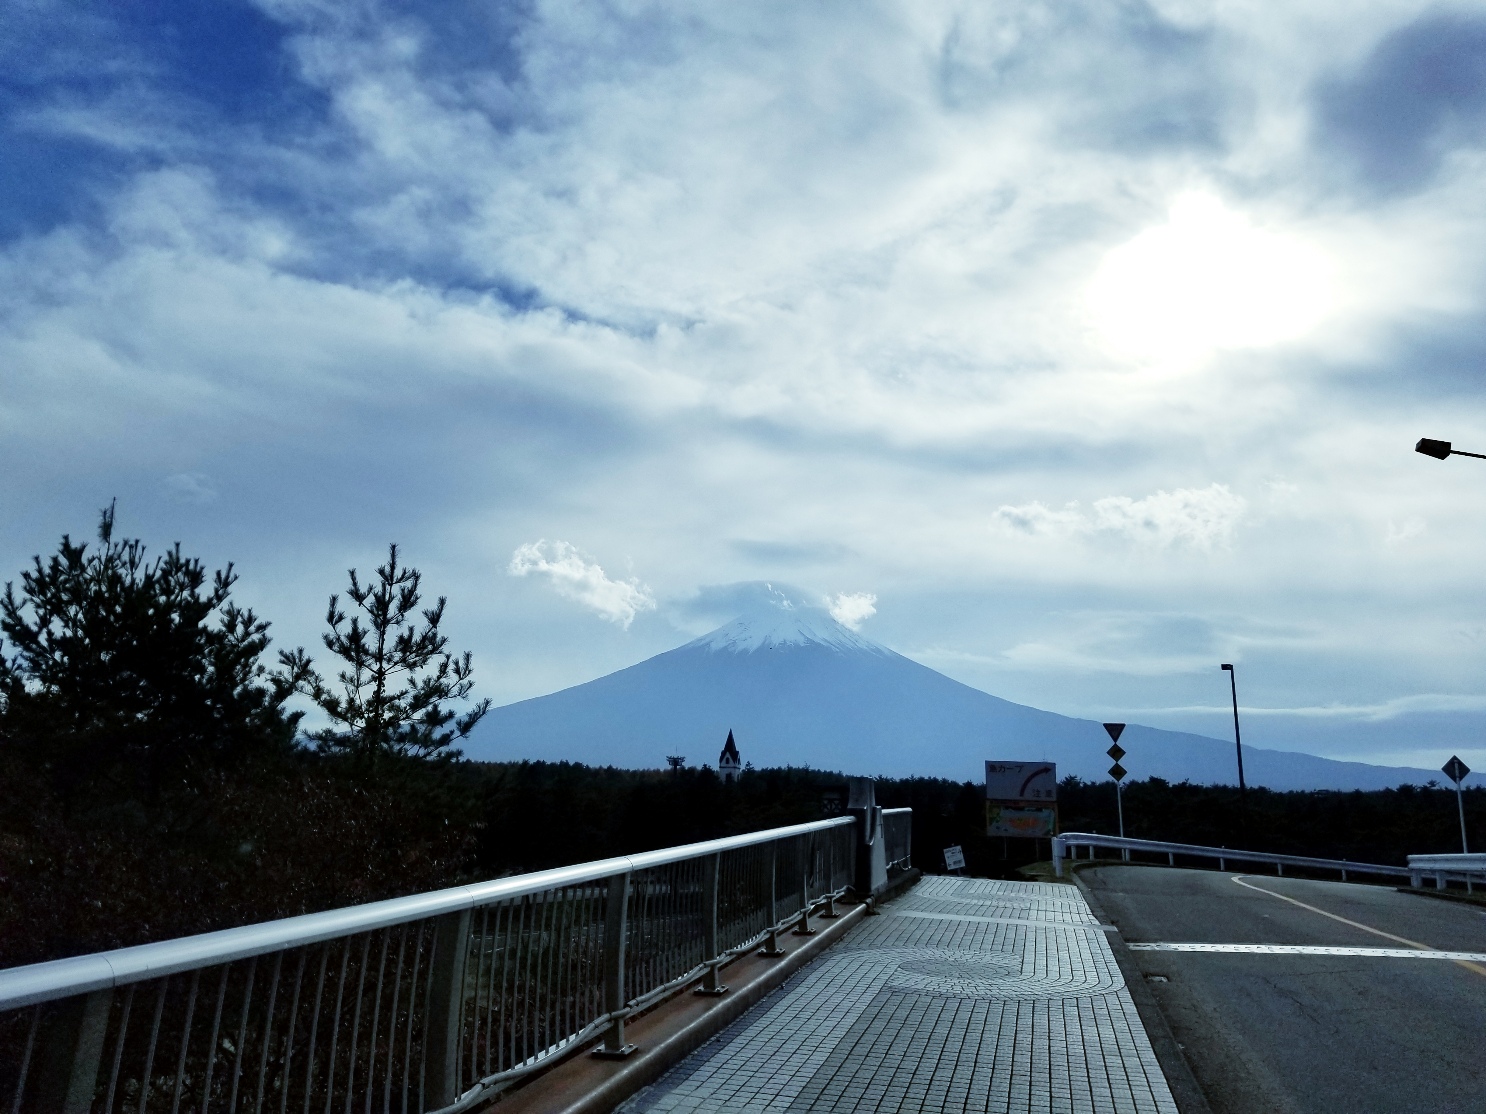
[783, 622]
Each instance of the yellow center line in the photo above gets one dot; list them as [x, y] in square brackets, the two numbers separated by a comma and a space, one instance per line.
[1467, 964]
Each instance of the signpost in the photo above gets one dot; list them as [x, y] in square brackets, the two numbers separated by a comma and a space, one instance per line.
[1456, 771]
[1022, 799]
[954, 859]
[1118, 773]
[1021, 802]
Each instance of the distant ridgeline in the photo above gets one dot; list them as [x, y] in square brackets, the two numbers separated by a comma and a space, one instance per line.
[801, 689]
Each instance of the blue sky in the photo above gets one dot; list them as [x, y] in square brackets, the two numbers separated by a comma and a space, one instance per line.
[1070, 349]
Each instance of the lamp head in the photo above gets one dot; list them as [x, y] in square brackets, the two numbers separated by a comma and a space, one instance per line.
[1430, 447]
[1227, 667]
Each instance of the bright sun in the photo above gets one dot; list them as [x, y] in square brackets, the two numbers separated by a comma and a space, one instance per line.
[1205, 280]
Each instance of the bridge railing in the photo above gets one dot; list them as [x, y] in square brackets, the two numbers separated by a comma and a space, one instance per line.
[421, 1004]
[1444, 869]
[1066, 846]
[897, 834]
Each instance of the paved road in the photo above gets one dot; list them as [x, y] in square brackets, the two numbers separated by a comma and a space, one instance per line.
[1282, 1033]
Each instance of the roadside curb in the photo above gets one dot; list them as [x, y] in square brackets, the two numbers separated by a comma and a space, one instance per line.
[1184, 1087]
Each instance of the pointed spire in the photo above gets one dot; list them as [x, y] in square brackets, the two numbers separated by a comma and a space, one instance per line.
[727, 762]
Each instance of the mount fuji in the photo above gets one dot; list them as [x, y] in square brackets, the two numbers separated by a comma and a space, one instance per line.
[798, 688]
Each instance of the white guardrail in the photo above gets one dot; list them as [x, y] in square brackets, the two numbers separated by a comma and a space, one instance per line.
[1067, 845]
[1447, 868]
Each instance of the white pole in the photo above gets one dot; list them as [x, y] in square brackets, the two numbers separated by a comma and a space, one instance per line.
[1460, 804]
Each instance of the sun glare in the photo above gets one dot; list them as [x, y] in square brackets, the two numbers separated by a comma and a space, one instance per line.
[1206, 280]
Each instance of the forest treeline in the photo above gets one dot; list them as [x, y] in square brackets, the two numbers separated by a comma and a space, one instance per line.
[157, 778]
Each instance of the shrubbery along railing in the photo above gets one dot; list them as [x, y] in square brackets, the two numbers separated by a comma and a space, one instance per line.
[420, 1004]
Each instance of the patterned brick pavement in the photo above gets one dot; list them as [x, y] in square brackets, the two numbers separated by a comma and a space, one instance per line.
[964, 995]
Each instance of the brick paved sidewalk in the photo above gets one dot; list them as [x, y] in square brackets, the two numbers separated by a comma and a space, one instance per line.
[965, 994]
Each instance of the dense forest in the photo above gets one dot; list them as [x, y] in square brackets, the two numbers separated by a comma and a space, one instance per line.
[541, 814]
[310, 833]
[156, 779]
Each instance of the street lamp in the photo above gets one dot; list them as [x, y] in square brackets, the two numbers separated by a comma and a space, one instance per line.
[1237, 742]
[1440, 450]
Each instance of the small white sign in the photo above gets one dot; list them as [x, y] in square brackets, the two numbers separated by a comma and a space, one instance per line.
[1022, 781]
[954, 858]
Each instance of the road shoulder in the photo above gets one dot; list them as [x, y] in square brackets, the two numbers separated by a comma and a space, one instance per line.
[1179, 1076]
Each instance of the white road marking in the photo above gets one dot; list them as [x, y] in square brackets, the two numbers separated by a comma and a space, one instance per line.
[1312, 949]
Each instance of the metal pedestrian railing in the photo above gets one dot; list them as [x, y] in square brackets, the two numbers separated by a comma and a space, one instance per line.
[1445, 869]
[423, 1004]
[897, 835]
[1067, 845]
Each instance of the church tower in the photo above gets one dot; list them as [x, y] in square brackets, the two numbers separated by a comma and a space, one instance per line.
[728, 764]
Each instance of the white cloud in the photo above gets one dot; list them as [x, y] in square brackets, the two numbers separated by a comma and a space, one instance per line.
[1400, 532]
[191, 487]
[852, 609]
[1197, 517]
[1383, 711]
[576, 577]
[1200, 518]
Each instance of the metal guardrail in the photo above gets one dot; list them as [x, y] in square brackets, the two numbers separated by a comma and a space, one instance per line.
[425, 1004]
[1066, 844]
[1444, 869]
[897, 835]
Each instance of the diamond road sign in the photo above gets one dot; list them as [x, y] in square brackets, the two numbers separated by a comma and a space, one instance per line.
[1117, 772]
[1116, 752]
[1455, 769]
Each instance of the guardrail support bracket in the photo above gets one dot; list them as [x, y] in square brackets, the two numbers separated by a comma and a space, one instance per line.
[451, 949]
[616, 928]
[711, 870]
[771, 948]
[71, 1042]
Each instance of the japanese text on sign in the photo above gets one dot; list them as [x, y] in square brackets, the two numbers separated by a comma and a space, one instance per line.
[1022, 781]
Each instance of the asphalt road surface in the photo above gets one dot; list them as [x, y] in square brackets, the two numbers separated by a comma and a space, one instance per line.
[1273, 1033]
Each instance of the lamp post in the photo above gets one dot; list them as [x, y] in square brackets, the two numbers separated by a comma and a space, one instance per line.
[1441, 450]
[1237, 741]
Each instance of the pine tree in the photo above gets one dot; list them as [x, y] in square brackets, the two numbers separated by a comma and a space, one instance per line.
[142, 671]
[397, 676]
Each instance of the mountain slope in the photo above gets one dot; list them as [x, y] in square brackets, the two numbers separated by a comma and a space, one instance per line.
[798, 688]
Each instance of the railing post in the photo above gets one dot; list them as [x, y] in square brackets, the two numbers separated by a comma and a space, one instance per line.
[771, 947]
[70, 1043]
[807, 845]
[451, 948]
[1416, 879]
[711, 869]
[616, 928]
[830, 913]
[1280, 869]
